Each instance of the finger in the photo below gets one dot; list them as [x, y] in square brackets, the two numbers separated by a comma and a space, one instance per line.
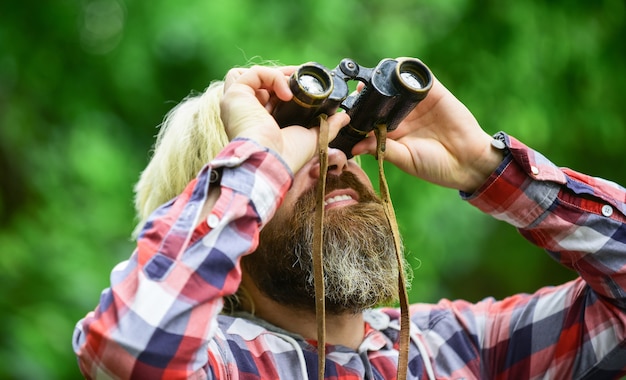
[263, 96]
[232, 76]
[365, 146]
[336, 122]
[288, 70]
[394, 152]
[271, 79]
[271, 104]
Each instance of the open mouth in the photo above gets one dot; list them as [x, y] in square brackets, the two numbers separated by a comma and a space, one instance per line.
[342, 197]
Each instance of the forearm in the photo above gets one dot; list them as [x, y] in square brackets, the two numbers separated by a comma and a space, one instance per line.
[579, 221]
[576, 218]
[162, 304]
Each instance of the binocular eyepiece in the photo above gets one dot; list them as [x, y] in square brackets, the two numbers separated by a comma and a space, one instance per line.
[392, 89]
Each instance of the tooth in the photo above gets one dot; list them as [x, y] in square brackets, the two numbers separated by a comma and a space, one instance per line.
[337, 198]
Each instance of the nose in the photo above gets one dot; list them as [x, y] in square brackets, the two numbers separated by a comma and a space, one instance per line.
[337, 163]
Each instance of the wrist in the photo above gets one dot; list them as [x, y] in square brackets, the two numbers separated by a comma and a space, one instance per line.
[495, 150]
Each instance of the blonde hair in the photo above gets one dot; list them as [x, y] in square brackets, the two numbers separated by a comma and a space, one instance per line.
[191, 135]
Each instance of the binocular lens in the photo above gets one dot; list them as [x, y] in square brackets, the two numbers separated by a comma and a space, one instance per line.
[312, 84]
[413, 75]
[412, 80]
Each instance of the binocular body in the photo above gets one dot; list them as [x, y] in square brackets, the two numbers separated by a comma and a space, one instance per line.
[391, 90]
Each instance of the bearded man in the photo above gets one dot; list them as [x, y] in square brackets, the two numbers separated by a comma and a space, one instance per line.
[221, 283]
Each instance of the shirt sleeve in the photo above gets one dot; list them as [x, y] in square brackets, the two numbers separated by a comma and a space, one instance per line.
[576, 330]
[160, 312]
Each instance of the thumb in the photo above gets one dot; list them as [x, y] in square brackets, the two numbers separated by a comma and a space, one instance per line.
[365, 146]
[335, 123]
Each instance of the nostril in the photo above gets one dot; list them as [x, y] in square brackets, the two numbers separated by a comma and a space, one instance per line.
[337, 161]
[335, 169]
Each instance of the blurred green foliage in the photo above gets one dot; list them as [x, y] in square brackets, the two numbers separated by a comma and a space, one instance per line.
[83, 85]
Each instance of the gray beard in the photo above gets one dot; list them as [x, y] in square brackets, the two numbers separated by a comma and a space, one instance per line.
[360, 265]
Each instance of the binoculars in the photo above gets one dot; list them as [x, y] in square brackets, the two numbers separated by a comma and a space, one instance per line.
[392, 89]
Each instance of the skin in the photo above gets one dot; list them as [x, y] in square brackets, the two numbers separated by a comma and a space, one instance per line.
[346, 329]
[440, 142]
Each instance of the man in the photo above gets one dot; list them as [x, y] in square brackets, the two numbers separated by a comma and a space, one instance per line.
[240, 232]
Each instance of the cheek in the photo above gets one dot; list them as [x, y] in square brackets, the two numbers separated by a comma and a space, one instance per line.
[282, 212]
[365, 180]
[361, 175]
[302, 183]
[288, 203]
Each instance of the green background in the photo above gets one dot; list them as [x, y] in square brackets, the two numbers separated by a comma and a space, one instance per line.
[84, 84]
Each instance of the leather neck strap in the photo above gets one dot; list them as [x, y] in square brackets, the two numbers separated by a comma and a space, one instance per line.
[403, 349]
[318, 254]
[318, 258]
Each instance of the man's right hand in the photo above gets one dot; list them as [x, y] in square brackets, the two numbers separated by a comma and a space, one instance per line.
[249, 97]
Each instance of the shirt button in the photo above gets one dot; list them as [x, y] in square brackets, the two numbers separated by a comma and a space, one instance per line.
[214, 176]
[534, 170]
[498, 144]
[213, 220]
[607, 210]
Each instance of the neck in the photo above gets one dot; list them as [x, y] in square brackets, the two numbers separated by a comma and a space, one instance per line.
[345, 329]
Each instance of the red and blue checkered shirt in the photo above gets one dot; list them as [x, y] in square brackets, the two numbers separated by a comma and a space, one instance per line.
[160, 317]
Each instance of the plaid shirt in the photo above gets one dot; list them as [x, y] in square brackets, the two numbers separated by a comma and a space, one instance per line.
[160, 317]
